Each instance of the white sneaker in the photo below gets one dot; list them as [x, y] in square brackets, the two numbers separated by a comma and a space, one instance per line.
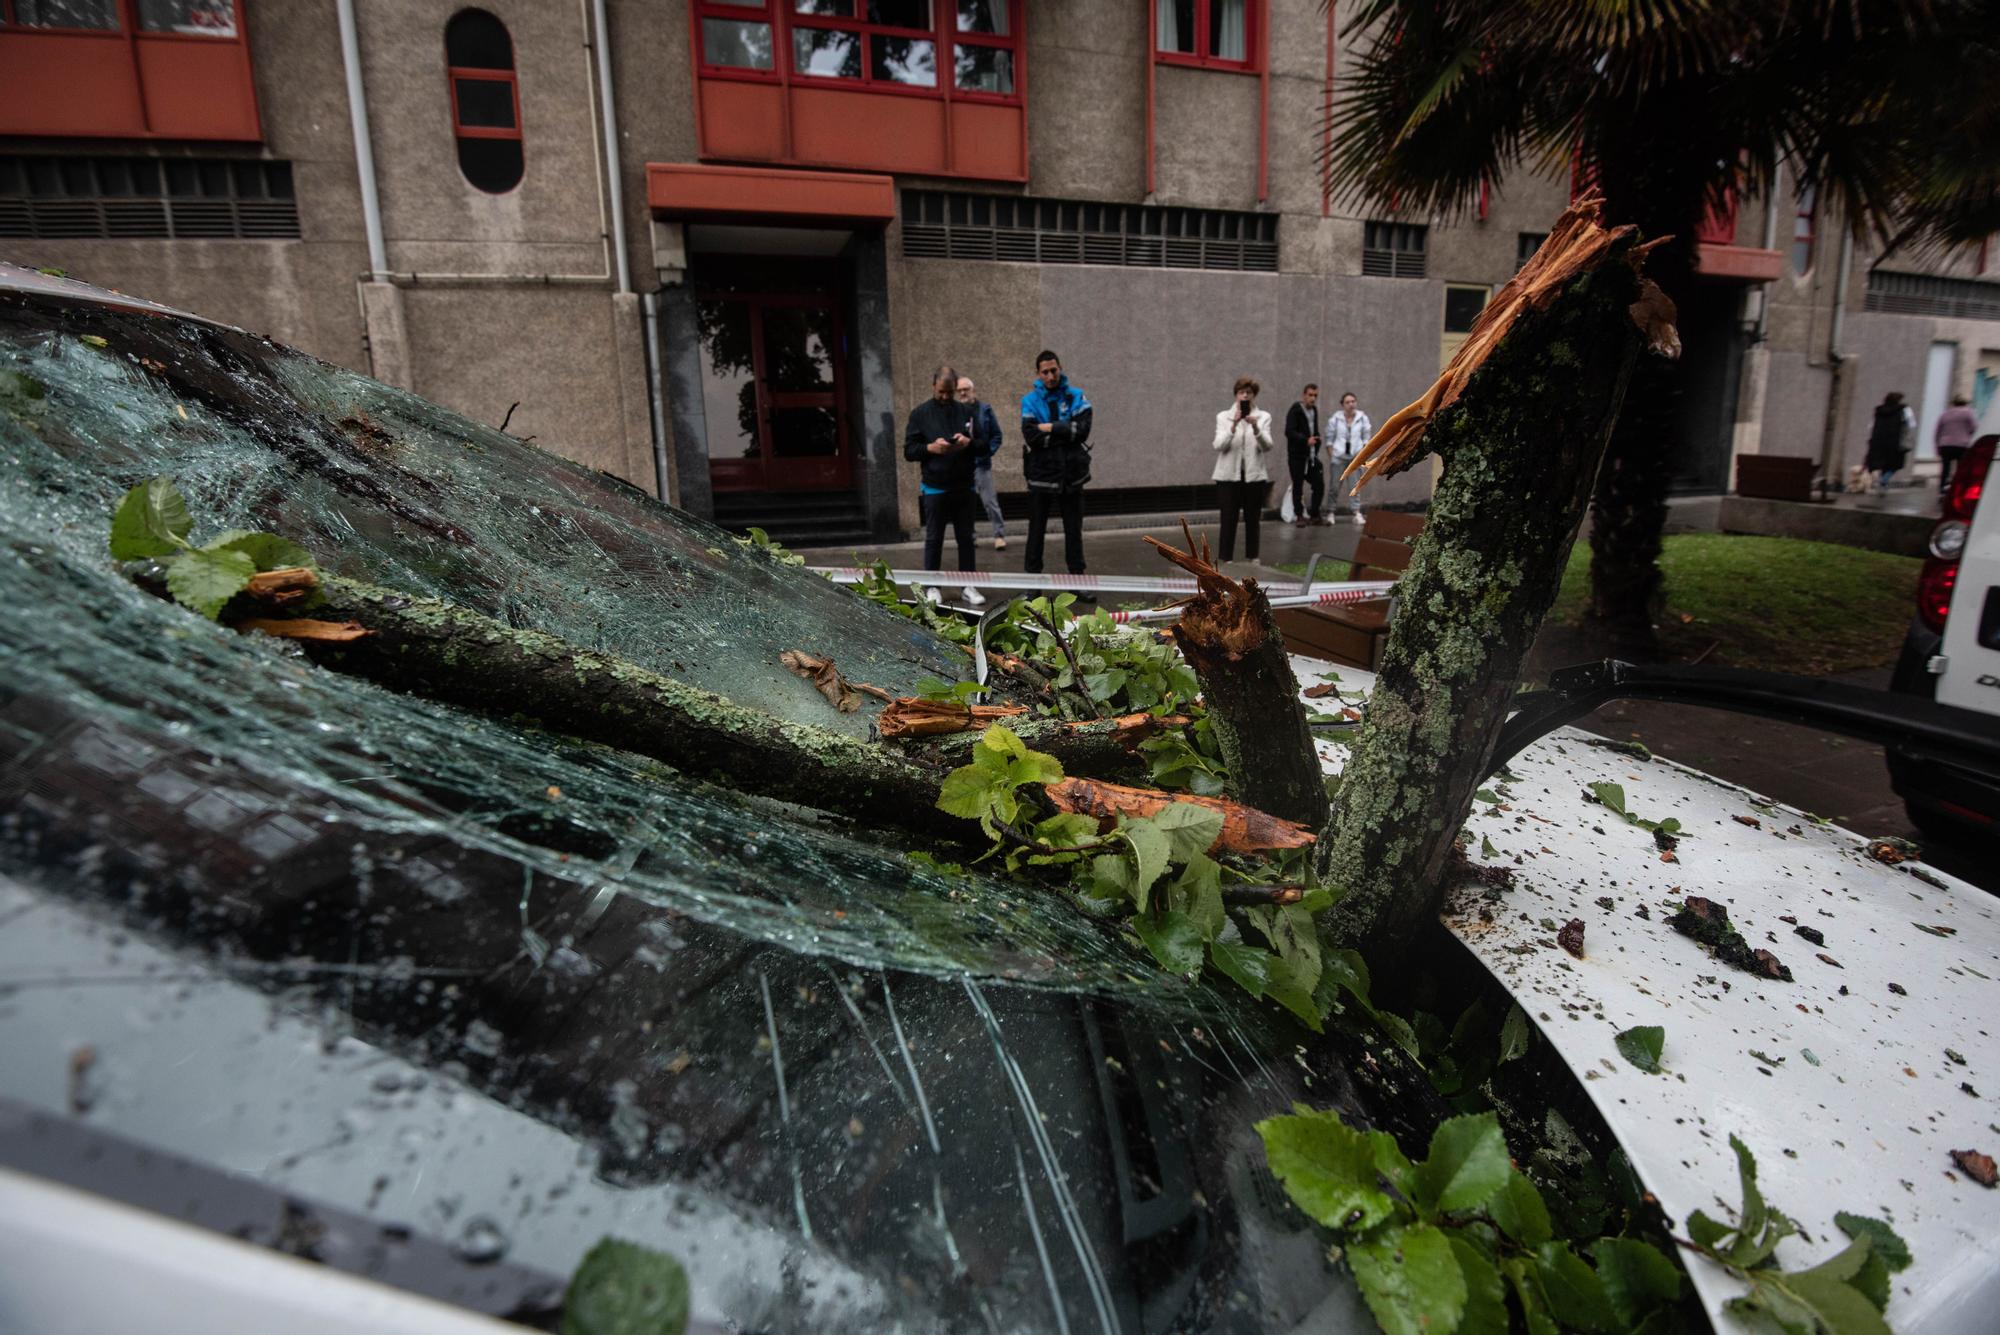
[1000, 544]
[972, 596]
[934, 595]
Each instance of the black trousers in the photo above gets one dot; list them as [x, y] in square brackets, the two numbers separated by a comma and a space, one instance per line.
[1305, 469]
[1950, 454]
[1247, 498]
[1040, 502]
[957, 508]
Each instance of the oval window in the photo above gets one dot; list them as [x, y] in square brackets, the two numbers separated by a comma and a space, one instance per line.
[485, 100]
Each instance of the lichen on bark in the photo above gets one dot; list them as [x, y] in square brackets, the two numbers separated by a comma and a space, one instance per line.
[1520, 435]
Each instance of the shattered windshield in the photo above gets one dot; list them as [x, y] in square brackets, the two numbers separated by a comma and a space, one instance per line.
[462, 982]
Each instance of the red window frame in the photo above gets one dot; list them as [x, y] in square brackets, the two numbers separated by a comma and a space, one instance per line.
[943, 34]
[471, 74]
[1806, 212]
[1200, 58]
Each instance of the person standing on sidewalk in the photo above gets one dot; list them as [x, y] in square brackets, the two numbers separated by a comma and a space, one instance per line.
[1302, 442]
[942, 435]
[1242, 438]
[1956, 426]
[1346, 432]
[986, 445]
[1886, 449]
[1055, 433]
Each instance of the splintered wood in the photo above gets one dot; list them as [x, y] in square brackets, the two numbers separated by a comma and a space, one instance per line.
[304, 628]
[1223, 618]
[1579, 243]
[1244, 829]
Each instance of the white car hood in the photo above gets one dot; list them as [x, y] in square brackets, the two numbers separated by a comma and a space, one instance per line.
[1859, 1095]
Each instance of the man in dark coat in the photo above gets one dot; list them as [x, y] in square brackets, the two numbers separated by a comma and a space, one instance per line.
[940, 436]
[1302, 453]
[1055, 432]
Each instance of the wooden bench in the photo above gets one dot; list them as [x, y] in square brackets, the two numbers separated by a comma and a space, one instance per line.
[1354, 633]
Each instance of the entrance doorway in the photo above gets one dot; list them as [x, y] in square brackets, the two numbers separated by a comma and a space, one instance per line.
[773, 368]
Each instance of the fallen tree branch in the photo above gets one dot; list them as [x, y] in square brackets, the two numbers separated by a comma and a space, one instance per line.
[912, 716]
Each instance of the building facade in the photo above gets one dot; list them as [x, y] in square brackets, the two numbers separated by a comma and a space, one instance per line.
[716, 247]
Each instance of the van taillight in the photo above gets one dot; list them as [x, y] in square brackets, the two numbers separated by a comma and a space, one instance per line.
[1934, 587]
[1968, 480]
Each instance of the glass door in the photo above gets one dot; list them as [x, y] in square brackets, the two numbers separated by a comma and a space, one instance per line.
[772, 391]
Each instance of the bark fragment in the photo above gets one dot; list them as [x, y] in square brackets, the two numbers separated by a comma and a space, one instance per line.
[909, 716]
[1244, 829]
[1228, 636]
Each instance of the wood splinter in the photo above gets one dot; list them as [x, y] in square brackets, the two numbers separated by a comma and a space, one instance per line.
[1244, 829]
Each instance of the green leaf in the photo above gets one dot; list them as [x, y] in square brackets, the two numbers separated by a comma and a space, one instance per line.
[1487, 795]
[1000, 740]
[1190, 829]
[1111, 876]
[1328, 1168]
[1637, 1278]
[152, 520]
[204, 581]
[1291, 986]
[1248, 965]
[1410, 1279]
[967, 791]
[1872, 1281]
[1753, 1217]
[1485, 1295]
[1888, 1245]
[1518, 1209]
[1841, 1308]
[1486, 848]
[1515, 1035]
[1521, 1273]
[1466, 1165]
[1174, 940]
[1197, 892]
[1576, 1295]
[1611, 794]
[1706, 1232]
[268, 550]
[1034, 767]
[22, 388]
[1150, 847]
[1641, 1046]
[621, 1288]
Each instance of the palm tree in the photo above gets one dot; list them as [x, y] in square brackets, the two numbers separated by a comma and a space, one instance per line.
[1888, 107]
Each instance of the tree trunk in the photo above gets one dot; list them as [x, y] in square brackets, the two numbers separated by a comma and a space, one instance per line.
[1521, 445]
[1231, 640]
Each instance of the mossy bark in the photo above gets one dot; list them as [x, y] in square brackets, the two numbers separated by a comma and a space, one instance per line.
[1254, 709]
[444, 652]
[1521, 448]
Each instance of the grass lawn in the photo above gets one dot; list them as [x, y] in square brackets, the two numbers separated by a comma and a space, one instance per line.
[1781, 604]
[1329, 568]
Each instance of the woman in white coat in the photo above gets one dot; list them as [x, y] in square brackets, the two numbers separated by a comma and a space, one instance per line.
[1242, 440]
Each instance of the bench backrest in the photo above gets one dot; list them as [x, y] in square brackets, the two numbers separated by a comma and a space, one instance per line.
[1384, 549]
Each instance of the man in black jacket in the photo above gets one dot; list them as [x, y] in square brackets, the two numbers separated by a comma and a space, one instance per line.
[1302, 453]
[941, 437]
[1055, 432]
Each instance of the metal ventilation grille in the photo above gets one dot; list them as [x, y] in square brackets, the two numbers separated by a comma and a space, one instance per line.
[940, 224]
[1929, 294]
[132, 198]
[1394, 250]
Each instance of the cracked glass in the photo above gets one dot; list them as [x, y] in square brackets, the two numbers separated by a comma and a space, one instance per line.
[443, 998]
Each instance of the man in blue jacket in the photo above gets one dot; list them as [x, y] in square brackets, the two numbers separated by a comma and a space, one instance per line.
[1055, 432]
[942, 437]
[987, 444]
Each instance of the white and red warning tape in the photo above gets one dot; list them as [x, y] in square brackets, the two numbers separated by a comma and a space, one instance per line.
[1283, 592]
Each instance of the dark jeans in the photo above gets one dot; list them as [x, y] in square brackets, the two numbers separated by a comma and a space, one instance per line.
[1040, 502]
[957, 508]
[1248, 498]
[1305, 469]
[1950, 454]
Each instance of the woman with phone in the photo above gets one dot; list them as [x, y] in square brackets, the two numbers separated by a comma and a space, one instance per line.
[1242, 439]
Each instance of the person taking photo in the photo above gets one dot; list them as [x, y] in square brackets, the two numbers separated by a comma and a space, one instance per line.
[1242, 439]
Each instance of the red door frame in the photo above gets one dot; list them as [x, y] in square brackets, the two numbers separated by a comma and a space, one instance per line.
[767, 471]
